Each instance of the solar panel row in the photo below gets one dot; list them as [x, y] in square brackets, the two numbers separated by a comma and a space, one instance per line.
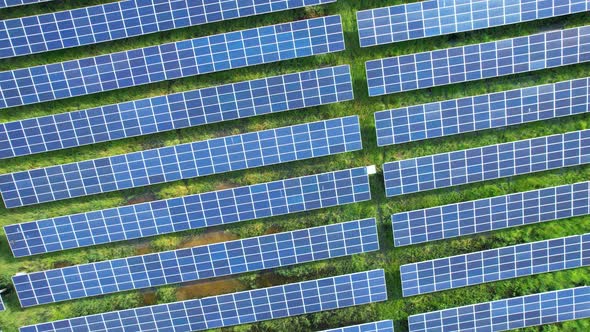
[487, 163]
[171, 61]
[481, 112]
[125, 19]
[478, 61]
[197, 263]
[236, 308]
[508, 314]
[190, 212]
[213, 156]
[382, 326]
[440, 17]
[495, 264]
[175, 111]
[488, 214]
[12, 3]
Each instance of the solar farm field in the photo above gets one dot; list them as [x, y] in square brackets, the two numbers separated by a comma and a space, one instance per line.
[385, 200]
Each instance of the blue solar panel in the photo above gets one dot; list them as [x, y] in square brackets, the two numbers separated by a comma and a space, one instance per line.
[494, 110]
[175, 111]
[124, 19]
[508, 314]
[478, 61]
[171, 61]
[495, 264]
[12, 3]
[382, 326]
[190, 212]
[2, 307]
[487, 163]
[236, 308]
[184, 161]
[440, 17]
[197, 263]
[488, 214]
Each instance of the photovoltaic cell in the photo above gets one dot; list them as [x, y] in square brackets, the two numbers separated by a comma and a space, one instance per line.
[481, 112]
[2, 307]
[487, 163]
[236, 308]
[489, 214]
[12, 3]
[175, 111]
[125, 19]
[171, 61]
[213, 156]
[478, 61]
[508, 314]
[382, 326]
[197, 263]
[496, 264]
[440, 17]
[190, 212]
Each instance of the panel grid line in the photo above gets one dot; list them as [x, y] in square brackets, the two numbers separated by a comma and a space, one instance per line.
[14, 3]
[189, 212]
[441, 17]
[495, 264]
[171, 61]
[489, 214]
[236, 308]
[478, 61]
[197, 263]
[381, 326]
[487, 163]
[183, 161]
[176, 111]
[508, 314]
[495, 110]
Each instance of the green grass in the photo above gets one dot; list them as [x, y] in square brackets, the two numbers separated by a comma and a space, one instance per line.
[389, 258]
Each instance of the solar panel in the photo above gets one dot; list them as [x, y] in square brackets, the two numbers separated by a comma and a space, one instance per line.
[2, 307]
[175, 111]
[440, 17]
[184, 161]
[489, 214]
[124, 19]
[171, 61]
[508, 314]
[382, 326]
[190, 212]
[487, 163]
[12, 3]
[481, 112]
[478, 61]
[495, 264]
[197, 263]
[236, 308]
